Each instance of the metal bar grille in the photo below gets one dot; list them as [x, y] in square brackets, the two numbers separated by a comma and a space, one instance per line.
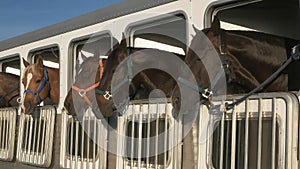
[8, 118]
[82, 142]
[149, 132]
[35, 139]
[256, 134]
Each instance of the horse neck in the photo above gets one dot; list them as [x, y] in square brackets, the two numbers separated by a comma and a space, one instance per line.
[256, 46]
[247, 50]
[54, 84]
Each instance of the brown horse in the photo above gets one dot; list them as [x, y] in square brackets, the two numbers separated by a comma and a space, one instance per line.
[39, 82]
[141, 85]
[9, 89]
[82, 93]
[247, 58]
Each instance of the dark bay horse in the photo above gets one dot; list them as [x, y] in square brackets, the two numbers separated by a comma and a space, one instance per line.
[246, 57]
[82, 93]
[9, 89]
[142, 84]
[39, 82]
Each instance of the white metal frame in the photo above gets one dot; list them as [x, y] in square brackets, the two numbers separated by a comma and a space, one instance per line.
[8, 117]
[143, 112]
[282, 108]
[38, 138]
[98, 128]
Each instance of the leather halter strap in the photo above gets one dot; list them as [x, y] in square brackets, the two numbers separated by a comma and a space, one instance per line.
[36, 93]
[82, 92]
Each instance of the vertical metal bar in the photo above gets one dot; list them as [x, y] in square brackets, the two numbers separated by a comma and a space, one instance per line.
[88, 139]
[76, 144]
[39, 135]
[25, 135]
[34, 137]
[7, 132]
[43, 134]
[246, 133]
[274, 112]
[45, 138]
[233, 139]
[259, 141]
[95, 142]
[82, 141]
[4, 134]
[1, 130]
[221, 142]
[30, 138]
[166, 136]
[132, 136]
[148, 136]
[156, 136]
[140, 137]
[71, 141]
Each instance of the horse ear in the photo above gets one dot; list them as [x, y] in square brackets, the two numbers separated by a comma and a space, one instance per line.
[25, 62]
[215, 26]
[40, 61]
[83, 57]
[195, 29]
[123, 43]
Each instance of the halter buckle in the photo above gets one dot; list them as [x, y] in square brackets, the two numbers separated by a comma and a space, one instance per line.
[107, 95]
[207, 93]
[82, 93]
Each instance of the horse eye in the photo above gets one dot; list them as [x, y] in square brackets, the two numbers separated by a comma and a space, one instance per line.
[38, 81]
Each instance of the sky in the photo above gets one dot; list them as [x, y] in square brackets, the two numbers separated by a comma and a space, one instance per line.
[21, 16]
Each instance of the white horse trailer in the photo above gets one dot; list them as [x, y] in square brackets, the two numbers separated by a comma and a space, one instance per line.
[262, 132]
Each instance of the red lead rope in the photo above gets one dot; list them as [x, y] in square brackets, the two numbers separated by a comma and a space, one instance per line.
[82, 92]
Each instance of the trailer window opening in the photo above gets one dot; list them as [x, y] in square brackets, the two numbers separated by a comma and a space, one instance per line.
[99, 46]
[167, 33]
[144, 43]
[11, 65]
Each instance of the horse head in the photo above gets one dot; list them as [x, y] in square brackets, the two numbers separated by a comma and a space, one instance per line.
[204, 60]
[104, 95]
[36, 80]
[82, 93]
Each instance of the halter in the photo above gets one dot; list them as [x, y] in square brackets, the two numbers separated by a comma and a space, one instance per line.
[82, 92]
[46, 81]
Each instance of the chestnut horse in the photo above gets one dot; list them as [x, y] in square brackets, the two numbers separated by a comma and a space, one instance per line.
[247, 58]
[39, 82]
[9, 89]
